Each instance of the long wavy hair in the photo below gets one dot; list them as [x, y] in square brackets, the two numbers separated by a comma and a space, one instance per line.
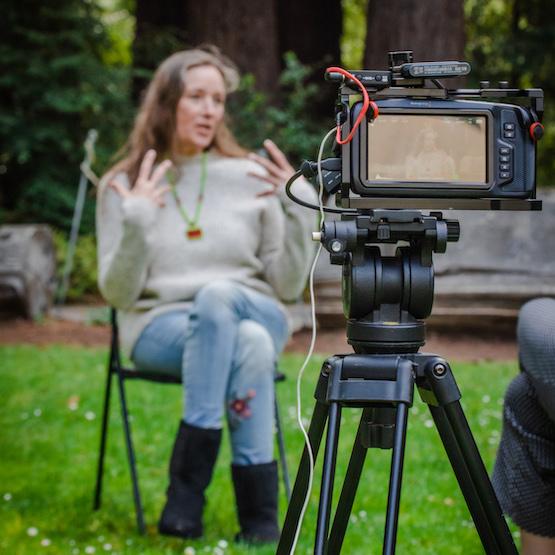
[155, 123]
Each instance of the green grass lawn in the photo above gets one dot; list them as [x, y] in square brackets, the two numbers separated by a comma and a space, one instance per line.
[50, 420]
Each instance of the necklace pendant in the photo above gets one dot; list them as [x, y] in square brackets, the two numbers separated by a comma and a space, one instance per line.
[194, 233]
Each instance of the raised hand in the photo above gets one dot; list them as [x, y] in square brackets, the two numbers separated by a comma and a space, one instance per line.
[278, 167]
[147, 181]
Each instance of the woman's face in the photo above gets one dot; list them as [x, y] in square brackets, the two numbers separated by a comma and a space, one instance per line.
[200, 109]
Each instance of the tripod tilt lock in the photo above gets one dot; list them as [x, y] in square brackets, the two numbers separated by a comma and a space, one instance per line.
[386, 299]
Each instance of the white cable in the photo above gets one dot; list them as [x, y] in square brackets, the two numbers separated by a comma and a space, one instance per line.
[311, 348]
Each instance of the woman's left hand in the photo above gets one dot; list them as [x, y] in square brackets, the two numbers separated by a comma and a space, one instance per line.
[278, 167]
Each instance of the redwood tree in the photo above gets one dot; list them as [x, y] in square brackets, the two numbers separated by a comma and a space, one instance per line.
[433, 29]
[255, 35]
[312, 29]
[246, 31]
[160, 29]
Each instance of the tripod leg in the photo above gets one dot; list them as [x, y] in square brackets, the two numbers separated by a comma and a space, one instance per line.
[471, 495]
[396, 476]
[328, 473]
[348, 491]
[298, 495]
[473, 479]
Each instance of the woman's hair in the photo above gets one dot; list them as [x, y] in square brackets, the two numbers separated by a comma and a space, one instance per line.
[155, 123]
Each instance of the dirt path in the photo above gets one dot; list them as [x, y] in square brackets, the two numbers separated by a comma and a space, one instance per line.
[452, 347]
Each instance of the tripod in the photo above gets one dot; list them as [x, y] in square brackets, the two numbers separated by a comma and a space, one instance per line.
[385, 301]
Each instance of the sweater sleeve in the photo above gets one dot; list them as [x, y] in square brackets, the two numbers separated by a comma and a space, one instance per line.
[124, 230]
[287, 249]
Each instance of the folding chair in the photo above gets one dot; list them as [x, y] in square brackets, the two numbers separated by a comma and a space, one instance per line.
[114, 368]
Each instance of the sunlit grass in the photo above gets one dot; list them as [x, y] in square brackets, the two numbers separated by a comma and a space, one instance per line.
[49, 420]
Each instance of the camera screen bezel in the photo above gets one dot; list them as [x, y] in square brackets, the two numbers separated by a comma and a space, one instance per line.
[366, 187]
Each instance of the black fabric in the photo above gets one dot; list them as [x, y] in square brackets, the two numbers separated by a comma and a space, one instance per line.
[524, 472]
[191, 466]
[256, 493]
[536, 341]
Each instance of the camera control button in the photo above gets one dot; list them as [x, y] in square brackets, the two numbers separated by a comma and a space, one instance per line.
[505, 175]
[509, 126]
[509, 134]
[505, 150]
[504, 167]
[504, 159]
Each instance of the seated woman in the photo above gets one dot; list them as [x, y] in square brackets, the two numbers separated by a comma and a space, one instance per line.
[524, 473]
[197, 244]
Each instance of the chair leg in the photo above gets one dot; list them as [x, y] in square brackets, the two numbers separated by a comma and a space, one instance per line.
[103, 437]
[281, 448]
[131, 457]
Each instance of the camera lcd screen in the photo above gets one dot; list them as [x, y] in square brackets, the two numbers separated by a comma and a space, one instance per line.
[428, 148]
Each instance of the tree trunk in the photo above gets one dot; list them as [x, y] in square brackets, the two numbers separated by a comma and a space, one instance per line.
[255, 35]
[312, 29]
[159, 31]
[245, 30]
[433, 30]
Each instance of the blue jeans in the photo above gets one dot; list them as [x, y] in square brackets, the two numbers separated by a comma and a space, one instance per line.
[225, 348]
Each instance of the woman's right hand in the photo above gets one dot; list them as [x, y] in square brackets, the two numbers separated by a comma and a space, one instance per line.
[147, 181]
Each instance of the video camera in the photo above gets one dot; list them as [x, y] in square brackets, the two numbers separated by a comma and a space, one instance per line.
[430, 142]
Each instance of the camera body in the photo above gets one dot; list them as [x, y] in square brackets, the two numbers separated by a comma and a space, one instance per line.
[430, 142]
[443, 148]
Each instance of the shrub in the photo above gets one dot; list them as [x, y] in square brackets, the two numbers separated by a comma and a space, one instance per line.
[55, 86]
[287, 122]
[83, 279]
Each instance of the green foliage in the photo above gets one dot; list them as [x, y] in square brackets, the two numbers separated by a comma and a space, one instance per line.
[83, 279]
[515, 41]
[255, 118]
[51, 415]
[56, 87]
[119, 22]
[354, 33]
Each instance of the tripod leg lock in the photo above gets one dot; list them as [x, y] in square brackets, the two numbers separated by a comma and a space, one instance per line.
[436, 383]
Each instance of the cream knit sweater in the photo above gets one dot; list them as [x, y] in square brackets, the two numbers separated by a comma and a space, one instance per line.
[148, 266]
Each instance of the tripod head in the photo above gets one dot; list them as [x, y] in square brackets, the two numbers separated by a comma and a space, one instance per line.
[386, 298]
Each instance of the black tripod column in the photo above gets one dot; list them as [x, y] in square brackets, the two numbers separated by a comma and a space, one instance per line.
[396, 475]
[350, 484]
[328, 473]
[383, 387]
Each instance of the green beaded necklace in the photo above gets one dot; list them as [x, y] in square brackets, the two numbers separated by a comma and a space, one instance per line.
[193, 230]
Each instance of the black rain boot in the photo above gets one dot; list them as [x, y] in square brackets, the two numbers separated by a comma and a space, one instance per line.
[191, 465]
[256, 493]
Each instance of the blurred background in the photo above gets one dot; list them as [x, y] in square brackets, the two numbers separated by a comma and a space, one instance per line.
[74, 65]
[70, 66]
